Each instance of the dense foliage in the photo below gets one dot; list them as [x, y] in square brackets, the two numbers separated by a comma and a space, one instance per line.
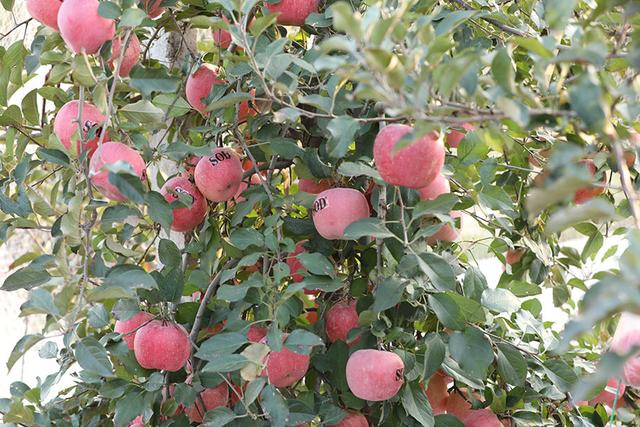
[551, 90]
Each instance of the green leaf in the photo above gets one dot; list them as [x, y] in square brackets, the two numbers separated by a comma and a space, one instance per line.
[562, 375]
[242, 238]
[159, 209]
[447, 311]
[597, 209]
[221, 344]
[503, 71]
[98, 316]
[414, 401]
[128, 407]
[557, 13]
[92, 356]
[109, 10]
[129, 185]
[388, 293]
[173, 105]
[316, 263]
[26, 278]
[500, 300]
[367, 227]
[434, 354]
[274, 406]
[358, 169]
[132, 17]
[446, 420]
[21, 347]
[229, 363]
[511, 364]
[472, 148]
[143, 112]
[586, 100]
[169, 253]
[301, 341]
[437, 269]
[472, 350]
[148, 80]
[218, 417]
[342, 130]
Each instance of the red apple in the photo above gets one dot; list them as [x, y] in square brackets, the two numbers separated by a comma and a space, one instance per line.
[45, 11]
[137, 422]
[256, 333]
[352, 419]
[186, 218]
[608, 395]
[437, 187]
[312, 186]
[481, 418]
[335, 209]
[415, 165]
[248, 108]
[454, 136]
[128, 328]
[219, 175]
[626, 337]
[375, 375]
[446, 233]
[111, 153]
[585, 194]
[285, 367]
[458, 406]
[212, 398]
[153, 8]
[221, 38]
[295, 266]
[82, 28]
[200, 84]
[514, 255]
[190, 164]
[65, 125]
[438, 392]
[293, 12]
[162, 345]
[340, 319]
[131, 55]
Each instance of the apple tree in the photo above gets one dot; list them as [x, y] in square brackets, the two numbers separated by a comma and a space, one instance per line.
[272, 212]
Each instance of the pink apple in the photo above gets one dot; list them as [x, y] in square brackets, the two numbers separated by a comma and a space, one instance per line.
[131, 55]
[295, 265]
[583, 195]
[162, 345]
[153, 8]
[293, 12]
[458, 406]
[437, 187]
[335, 209]
[284, 368]
[481, 418]
[45, 11]
[627, 336]
[128, 328]
[256, 333]
[82, 28]
[352, 419]
[413, 166]
[608, 395]
[438, 392]
[340, 319]
[219, 175]
[454, 136]
[111, 153]
[137, 422]
[446, 233]
[312, 186]
[65, 125]
[200, 84]
[375, 375]
[186, 218]
[212, 398]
